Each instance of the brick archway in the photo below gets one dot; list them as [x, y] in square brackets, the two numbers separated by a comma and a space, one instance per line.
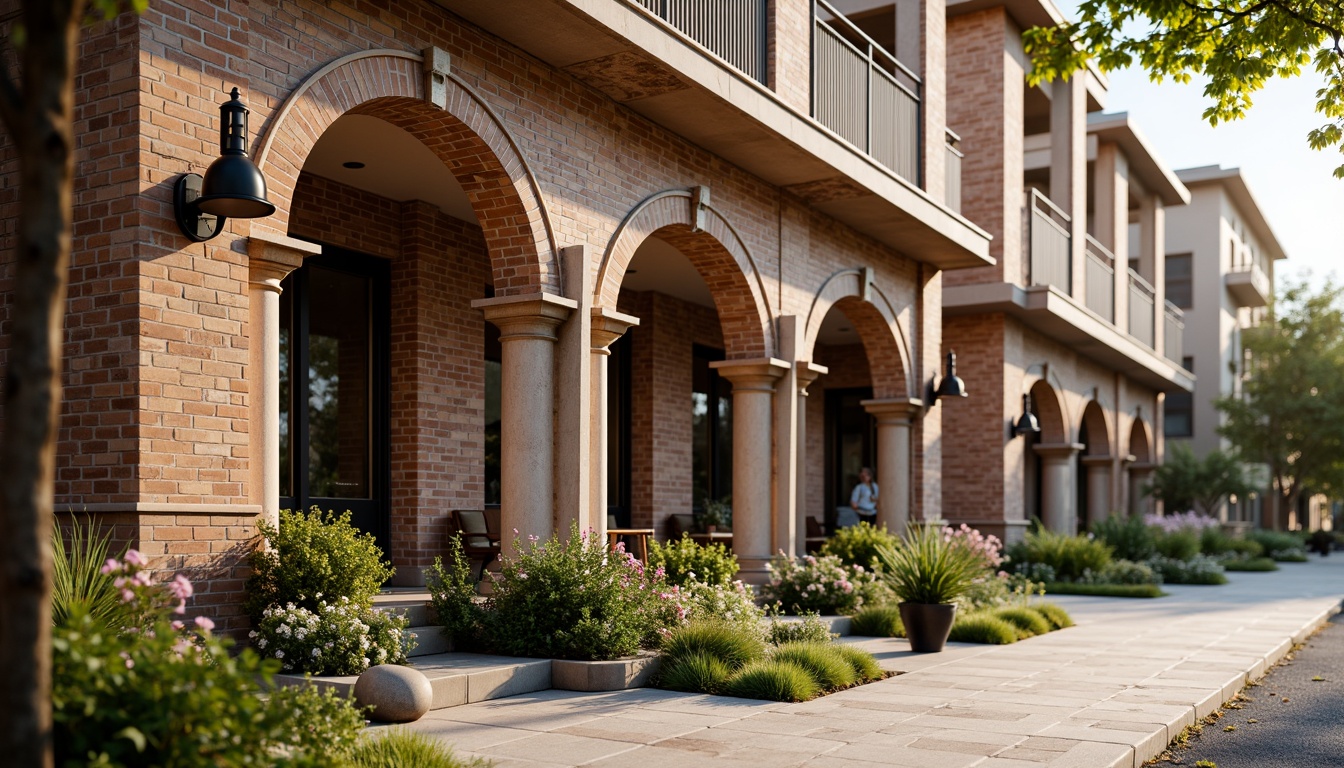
[685, 220]
[1098, 429]
[852, 292]
[464, 133]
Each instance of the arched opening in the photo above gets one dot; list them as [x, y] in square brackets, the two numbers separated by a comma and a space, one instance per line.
[1140, 468]
[1094, 468]
[1047, 453]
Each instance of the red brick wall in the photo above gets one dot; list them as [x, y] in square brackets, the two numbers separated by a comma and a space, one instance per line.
[974, 429]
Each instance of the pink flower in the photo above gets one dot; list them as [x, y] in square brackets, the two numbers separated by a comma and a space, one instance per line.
[134, 557]
[111, 566]
[179, 626]
[204, 624]
[180, 587]
[127, 595]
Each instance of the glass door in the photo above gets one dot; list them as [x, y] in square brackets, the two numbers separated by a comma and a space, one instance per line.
[333, 380]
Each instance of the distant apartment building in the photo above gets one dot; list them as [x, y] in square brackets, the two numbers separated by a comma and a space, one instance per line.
[1067, 343]
[1220, 262]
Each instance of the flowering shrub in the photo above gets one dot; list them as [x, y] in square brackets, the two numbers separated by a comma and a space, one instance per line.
[1200, 569]
[733, 603]
[1123, 572]
[339, 638]
[988, 548]
[810, 630]
[452, 593]
[1000, 590]
[168, 692]
[684, 561]
[819, 584]
[573, 599]
[1178, 521]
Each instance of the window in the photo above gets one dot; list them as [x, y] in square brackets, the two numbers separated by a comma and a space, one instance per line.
[1180, 280]
[1179, 409]
[494, 395]
[711, 429]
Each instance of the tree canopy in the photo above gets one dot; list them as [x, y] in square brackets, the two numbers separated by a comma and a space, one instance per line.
[1185, 481]
[1289, 414]
[1238, 44]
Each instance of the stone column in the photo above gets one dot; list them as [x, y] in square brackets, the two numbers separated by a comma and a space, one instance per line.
[1068, 166]
[271, 256]
[894, 418]
[608, 325]
[1098, 486]
[527, 333]
[753, 487]
[804, 374]
[1059, 506]
[1139, 476]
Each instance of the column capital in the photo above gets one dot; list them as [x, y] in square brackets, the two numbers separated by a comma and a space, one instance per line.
[271, 256]
[806, 373]
[1058, 450]
[608, 325]
[530, 316]
[1097, 461]
[894, 410]
[757, 374]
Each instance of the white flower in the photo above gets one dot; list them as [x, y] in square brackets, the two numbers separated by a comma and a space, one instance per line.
[261, 643]
[316, 653]
[279, 654]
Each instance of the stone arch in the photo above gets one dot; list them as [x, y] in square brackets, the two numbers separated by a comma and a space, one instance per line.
[874, 318]
[1045, 403]
[1140, 442]
[684, 219]
[464, 133]
[1098, 429]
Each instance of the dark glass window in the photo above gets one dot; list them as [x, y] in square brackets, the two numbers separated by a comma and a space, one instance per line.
[1179, 409]
[851, 444]
[494, 389]
[618, 431]
[711, 429]
[1180, 280]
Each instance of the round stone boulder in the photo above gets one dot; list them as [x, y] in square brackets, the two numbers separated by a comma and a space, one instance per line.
[397, 694]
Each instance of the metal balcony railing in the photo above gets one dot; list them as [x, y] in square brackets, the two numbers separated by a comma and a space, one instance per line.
[1141, 300]
[860, 91]
[1099, 280]
[1173, 332]
[1050, 259]
[952, 192]
[734, 31]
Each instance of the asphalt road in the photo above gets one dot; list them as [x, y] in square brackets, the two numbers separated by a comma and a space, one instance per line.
[1291, 719]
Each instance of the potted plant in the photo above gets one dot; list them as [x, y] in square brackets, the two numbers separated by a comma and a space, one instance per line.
[928, 571]
[716, 514]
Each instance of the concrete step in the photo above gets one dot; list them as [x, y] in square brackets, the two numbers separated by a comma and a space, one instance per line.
[458, 678]
[429, 641]
[413, 603]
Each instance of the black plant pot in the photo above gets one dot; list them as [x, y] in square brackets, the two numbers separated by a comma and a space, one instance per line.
[927, 625]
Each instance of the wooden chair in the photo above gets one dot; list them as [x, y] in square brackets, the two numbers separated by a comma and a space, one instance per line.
[477, 539]
[816, 534]
[679, 524]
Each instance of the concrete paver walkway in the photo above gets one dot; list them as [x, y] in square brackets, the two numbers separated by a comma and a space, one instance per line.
[1111, 691]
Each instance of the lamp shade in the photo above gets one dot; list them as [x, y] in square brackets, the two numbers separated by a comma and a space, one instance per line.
[234, 188]
[1027, 423]
[951, 385]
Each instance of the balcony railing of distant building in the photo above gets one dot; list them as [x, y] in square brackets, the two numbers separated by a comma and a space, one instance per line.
[733, 31]
[1099, 280]
[860, 91]
[1249, 284]
[1173, 332]
[1141, 300]
[1050, 258]
[952, 195]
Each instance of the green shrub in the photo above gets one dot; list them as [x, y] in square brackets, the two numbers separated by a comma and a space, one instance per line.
[1181, 544]
[1128, 536]
[865, 666]
[1254, 564]
[772, 680]
[398, 748]
[1028, 622]
[175, 696]
[810, 630]
[877, 621]
[1245, 548]
[79, 583]
[314, 555]
[1104, 590]
[1199, 569]
[816, 584]
[1213, 542]
[823, 662]
[1057, 616]
[930, 567]
[733, 644]
[684, 561]
[983, 628]
[1278, 545]
[1124, 572]
[1068, 556]
[858, 544]
[693, 673]
[452, 594]
[572, 599]
[339, 638]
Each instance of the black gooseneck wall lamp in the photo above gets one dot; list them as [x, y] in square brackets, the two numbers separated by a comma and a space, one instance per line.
[232, 188]
[1027, 423]
[951, 384]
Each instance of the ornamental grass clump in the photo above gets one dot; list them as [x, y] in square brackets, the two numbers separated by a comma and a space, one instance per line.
[822, 585]
[1057, 616]
[865, 666]
[823, 662]
[1028, 622]
[877, 621]
[81, 584]
[732, 644]
[932, 566]
[772, 680]
[684, 561]
[694, 673]
[573, 599]
[400, 748]
[983, 628]
[1252, 565]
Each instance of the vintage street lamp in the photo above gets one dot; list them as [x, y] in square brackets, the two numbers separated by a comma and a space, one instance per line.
[951, 385]
[232, 188]
[1027, 423]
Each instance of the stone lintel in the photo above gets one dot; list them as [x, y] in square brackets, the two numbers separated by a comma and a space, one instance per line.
[1058, 450]
[272, 256]
[893, 410]
[754, 374]
[608, 326]
[534, 315]
[808, 373]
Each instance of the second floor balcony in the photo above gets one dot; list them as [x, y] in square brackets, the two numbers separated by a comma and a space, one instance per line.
[1249, 285]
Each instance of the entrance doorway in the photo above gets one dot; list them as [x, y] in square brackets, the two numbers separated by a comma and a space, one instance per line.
[334, 368]
[851, 444]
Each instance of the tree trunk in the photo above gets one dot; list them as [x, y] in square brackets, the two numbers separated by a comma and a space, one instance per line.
[40, 123]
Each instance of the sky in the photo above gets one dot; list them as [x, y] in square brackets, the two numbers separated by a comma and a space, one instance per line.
[1303, 202]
